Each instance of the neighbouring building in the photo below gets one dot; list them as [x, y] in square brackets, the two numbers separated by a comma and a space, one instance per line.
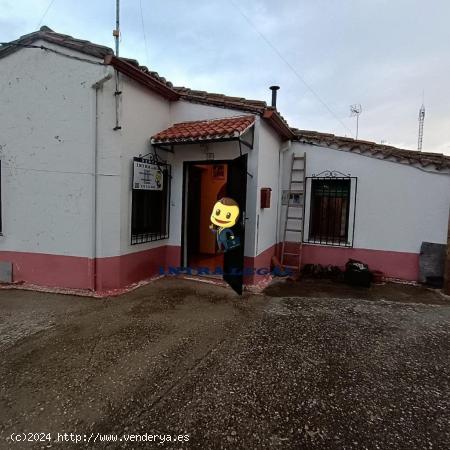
[77, 123]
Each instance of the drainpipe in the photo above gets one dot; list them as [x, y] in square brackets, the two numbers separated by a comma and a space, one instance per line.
[96, 86]
[284, 147]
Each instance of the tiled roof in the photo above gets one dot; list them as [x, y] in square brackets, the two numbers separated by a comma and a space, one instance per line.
[226, 101]
[437, 161]
[201, 130]
[275, 119]
[210, 98]
[159, 84]
[149, 72]
[154, 81]
[48, 35]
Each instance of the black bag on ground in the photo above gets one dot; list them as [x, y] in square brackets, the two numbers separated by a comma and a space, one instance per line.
[357, 273]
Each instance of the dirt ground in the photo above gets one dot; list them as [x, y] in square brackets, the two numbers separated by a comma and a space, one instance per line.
[306, 365]
[325, 288]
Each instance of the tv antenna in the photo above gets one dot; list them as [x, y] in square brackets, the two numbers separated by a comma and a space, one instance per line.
[356, 110]
[116, 31]
[421, 121]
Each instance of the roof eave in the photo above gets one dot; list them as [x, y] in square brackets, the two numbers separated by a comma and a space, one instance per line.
[278, 124]
[141, 77]
[194, 140]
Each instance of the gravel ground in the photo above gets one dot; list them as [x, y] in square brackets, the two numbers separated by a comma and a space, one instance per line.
[307, 365]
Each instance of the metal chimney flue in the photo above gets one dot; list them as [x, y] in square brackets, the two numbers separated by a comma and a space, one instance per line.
[274, 90]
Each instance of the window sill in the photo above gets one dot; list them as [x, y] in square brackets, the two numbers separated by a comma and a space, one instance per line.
[147, 238]
[330, 244]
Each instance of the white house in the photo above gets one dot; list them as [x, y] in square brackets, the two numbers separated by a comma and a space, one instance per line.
[75, 122]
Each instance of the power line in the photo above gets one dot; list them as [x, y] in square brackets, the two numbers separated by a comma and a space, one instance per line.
[143, 31]
[45, 13]
[293, 69]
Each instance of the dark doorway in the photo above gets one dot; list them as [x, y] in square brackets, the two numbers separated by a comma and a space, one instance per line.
[233, 266]
[205, 183]
[193, 204]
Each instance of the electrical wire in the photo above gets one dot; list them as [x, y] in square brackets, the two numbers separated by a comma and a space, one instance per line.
[45, 13]
[293, 69]
[143, 30]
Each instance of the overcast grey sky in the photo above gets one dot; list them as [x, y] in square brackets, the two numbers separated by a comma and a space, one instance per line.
[380, 53]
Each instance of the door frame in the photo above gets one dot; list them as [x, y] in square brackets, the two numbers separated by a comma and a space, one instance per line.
[186, 164]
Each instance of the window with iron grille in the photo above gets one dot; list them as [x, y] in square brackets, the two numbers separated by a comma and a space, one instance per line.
[330, 211]
[150, 212]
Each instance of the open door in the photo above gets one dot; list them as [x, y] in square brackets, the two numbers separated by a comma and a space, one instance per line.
[193, 210]
[233, 263]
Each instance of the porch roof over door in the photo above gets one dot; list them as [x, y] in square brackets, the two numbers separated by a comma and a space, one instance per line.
[224, 129]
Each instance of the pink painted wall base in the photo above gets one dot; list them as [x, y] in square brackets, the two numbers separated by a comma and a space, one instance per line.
[75, 272]
[119, 272]
[400, 265]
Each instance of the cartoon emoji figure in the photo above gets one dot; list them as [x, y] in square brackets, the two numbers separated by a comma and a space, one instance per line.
[224, 216]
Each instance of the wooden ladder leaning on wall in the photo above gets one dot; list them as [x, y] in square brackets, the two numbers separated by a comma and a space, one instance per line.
[291, 251]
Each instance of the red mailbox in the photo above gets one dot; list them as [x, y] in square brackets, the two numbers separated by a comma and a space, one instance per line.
[265, 197]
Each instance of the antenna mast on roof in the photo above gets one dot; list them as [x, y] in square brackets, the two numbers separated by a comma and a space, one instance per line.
[421, 121]
[116, 31]
[355, 110]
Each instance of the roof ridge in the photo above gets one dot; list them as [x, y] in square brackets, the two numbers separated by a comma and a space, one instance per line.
[45, 33]
[210, 97]
[300, 132]
[237, 117]
[225, 128]
[440, 160]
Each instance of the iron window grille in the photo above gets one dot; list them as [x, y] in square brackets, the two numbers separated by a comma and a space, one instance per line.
[331, 203]
[150, 210]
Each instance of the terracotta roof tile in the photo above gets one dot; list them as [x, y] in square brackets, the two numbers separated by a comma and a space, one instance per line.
[48, 35]
[215, 129]
[222, 100]
[367, 148]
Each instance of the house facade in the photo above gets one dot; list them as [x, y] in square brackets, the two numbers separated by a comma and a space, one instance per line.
[76, 123]
[396, 201]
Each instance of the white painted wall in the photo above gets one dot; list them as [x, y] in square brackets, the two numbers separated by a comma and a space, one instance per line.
[142, 113]
[268, 176]
[397, 206]
[46, 147]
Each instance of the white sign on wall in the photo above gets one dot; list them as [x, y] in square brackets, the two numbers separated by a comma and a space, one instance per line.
[295, 199]
[147, 177]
